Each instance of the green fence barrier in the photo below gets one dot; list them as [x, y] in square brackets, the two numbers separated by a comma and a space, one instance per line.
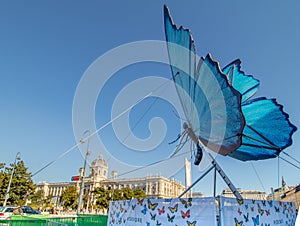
[80, 220]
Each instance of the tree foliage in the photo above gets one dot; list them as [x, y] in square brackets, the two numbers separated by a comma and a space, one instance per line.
[38, 198]
[139, 193]
[104, 196]
[128, 193]
[22, 186]
[70, 197]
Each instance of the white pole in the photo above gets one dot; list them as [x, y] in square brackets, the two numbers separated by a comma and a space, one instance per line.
[11, 176]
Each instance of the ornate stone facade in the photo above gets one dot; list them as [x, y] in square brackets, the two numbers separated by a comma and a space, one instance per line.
[153, 186]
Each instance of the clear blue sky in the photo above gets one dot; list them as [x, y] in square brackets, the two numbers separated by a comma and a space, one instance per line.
[45, 48]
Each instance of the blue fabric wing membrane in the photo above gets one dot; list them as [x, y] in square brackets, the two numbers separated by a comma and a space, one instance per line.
[211, 105]
[245, 84]
[268, 130]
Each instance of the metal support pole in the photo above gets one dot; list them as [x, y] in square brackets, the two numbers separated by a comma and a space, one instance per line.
[83, 175]
[197, 141]
[215, 182]
[10, 179]
[224, 177]
[193, 184]
[228, 182]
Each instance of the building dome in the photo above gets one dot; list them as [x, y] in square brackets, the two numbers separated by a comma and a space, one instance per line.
[99, 162]
[99, 168]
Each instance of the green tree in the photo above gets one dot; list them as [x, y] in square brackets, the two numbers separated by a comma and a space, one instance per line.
[38, 198]
[70, 197]
[139, 193]
[22, 186]
[102, 197]
[117, 194]
[2, 166]
[128, 193]
[2, 181]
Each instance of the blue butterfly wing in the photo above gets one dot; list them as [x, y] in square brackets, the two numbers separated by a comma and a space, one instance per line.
[182, 59]
[267, 132]
[211, 105]
[221, 119]
[247, 85]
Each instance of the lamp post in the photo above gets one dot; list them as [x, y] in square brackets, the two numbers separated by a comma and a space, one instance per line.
[10, 179]
[83, 171]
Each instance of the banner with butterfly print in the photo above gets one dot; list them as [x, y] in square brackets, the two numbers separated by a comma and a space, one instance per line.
[160, 212]
[257, 212]
[298, 218]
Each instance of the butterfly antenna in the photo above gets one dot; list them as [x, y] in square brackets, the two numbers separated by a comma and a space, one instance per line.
[178, 137]
[183, 140]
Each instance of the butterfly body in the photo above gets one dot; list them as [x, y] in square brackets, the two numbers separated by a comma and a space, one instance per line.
[170, 218]
[173, 209]
[186, 203]
[153, 216]
[246, 217]
[191, 223]
[144, 211]
[261, 211]
[151, 205]
[256, 220]
[185, 214]
[238, 223]
[161, 211]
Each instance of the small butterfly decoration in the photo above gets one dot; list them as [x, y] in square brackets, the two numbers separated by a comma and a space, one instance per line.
[255, 220]
[144, 211]
[284, 208]
[261, 211]
[173, 209]
[191, 223]
[158, 223]
[133, 206]
[140, 201]
[161, 211]
[246, 217]
[153, 216]
[187, 203]
[270, 202]
[238, 223]
[239, 211]
[120, 221]
[170, 219]
[268, 212]
[185, 215]
[121, 208]
[151, 205]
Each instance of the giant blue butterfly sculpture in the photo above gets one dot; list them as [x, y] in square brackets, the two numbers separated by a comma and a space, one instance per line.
[219, 112]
